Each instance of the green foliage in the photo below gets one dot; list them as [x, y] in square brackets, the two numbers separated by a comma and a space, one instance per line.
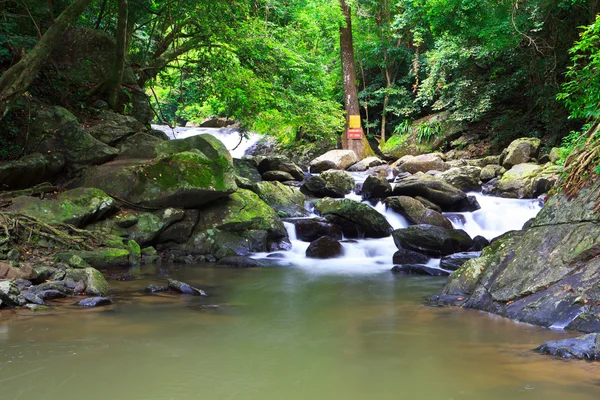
[581, 91]
[426, 132]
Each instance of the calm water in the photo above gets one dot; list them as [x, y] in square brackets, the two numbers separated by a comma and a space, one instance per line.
[282, 333]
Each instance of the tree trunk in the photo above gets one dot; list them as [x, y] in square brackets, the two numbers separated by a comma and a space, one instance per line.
[360, 146]
[15, 81]
[116, 78]
[386, 101]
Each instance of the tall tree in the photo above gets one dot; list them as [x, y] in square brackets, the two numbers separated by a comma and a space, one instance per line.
[116, 77]
[360, 146]
[15, 81]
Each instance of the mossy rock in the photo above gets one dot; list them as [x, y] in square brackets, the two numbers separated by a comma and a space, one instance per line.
[247, 169]
[430, 188]
[356, 219]
[30, 170]
[288, 201]
[182, 180]
[95, 283]
[527, 181]
[77, 207]
[432, 240]
[100, 258]
[140, 145]
[340, 180]
[237, 225]
[415, 212]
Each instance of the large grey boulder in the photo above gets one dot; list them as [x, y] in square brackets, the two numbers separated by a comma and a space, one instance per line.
[415, 212]
[334, 159]
[432, 240]
[280, 163]
[520, 151]
[544, 275]
[585, 347]
[527, 181]
[431, 188]
[287, 201]
[30, 170]
[464, 178]
[366, 163]
[376, 187]
[423, 163]
[341, 181]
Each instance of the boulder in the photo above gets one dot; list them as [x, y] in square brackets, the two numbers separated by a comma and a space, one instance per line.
[237, 226]
[376, 187]
[334, 159]
[556, 153]
[182, 180]
[356, 219]
[10, 295]
[140, 145]
[184, 288]
[315, 186]
[431, 188]
[432, 240]
[456, 260]
[280, 163]
[247, 169]
[77, 207]
[110, 127]
[279, 176]
[423, 163]
[489, 172]
[415, 212]
[9, 272]
[465, 178]
[585, 347]
[403, 256]
[285, 200]
[365, 164]
[341, 181]
[324, 247]
[30, 170]
[544, 275]
[181, 230]
[418, 269]
[527, 181]
[520, 151]
[309, 230]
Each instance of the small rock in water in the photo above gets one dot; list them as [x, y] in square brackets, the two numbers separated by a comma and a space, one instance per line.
[479, 243]
[95, 302]
[33, 298]
[239, 262]
[184, 288]
[403, 256]
[417, 269]
[585, 347]
[155, 289]
[456, 260]
[324, 247]
[36, 307]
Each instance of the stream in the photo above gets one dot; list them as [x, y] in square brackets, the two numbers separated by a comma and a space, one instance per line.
[338, 329]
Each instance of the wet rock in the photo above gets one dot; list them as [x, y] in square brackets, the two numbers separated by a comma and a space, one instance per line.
[403, 256]
[34, 298]
[365, 164]
[376, 187]
[30, 170]
[112, 128]
[77, 262]
[520, 151]
[585, 347]
[456, 260]
[316, 186]
[417, 269]
[280, 164]
[100, 258]
[341, 181]
[479, 243]
[77, 207]
[429, 204]
[324, 247]
[179, 231]
[184, 288]
[334, 159]
[433, 189]
[155, 289]
[415, 212]
[309, 230]
[36, 307]
[287, 201]
[356, 219]
[463, 178]
[95, 302]
[432, 240]
[241, 262]
[95, 283]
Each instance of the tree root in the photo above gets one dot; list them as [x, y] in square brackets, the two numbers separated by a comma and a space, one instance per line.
[19, 228]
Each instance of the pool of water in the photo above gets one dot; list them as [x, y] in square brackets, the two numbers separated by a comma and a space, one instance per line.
[281, 333]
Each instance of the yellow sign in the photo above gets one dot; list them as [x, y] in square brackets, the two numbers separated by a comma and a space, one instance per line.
[354, 121]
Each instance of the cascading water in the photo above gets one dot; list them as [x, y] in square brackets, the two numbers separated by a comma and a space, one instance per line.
[496, 216]
[228, 136]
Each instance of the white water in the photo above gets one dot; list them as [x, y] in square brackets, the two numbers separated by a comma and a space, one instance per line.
[367, 256]
[228, 136]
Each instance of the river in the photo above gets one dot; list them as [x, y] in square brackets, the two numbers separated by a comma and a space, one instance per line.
[337, 329]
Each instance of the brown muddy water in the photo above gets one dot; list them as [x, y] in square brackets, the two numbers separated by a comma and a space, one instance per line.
[281, 333]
